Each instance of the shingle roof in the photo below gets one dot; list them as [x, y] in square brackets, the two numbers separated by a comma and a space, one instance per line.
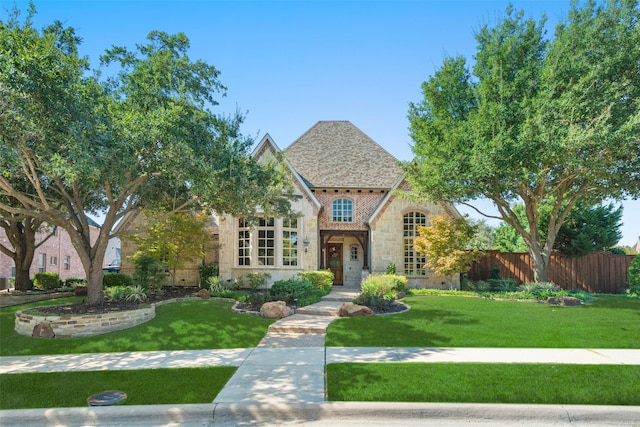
[336, 154]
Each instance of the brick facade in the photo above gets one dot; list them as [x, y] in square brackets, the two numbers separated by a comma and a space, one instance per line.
[55, 252]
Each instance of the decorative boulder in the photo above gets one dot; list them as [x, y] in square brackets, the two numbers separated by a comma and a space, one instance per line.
[352, 310]
[275, 310]
[43, 330]
[566, 301]
[203, 293]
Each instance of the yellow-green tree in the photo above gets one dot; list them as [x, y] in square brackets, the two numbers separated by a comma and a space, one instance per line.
[444, 243]
[180, 238]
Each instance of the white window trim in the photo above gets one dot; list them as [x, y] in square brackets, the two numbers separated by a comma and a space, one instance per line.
[279, 252]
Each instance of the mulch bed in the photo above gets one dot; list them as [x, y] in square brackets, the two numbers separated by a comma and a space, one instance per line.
[166, 293]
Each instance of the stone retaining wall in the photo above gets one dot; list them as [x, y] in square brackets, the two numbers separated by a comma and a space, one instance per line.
[85, 325]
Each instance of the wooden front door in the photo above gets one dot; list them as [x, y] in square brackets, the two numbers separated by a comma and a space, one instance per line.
[334, 261]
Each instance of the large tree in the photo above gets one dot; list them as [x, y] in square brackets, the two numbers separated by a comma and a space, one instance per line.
[536, 120]
[143, 138]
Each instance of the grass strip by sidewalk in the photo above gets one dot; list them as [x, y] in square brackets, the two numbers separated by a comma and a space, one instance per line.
[484, 383]
[143, 387]
[452, 321]
[188, 325]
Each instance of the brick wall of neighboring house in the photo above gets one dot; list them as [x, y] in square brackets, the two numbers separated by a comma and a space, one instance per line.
[57, 252]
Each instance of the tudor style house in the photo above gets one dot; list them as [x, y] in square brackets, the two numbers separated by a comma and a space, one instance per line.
[350, 219]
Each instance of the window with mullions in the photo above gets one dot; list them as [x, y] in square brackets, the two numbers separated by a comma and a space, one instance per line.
[266, 241]
[244, 243]
[414, 263]
[342, 210]
[290, 242]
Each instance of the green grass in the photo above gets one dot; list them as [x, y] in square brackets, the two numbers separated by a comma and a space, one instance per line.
[449, 321]
[143, 387]
[189, 325]
[484, 383]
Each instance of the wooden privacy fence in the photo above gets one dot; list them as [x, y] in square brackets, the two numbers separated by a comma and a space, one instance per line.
[598, 272]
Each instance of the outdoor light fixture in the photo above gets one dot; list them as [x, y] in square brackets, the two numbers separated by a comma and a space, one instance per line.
[305, 242]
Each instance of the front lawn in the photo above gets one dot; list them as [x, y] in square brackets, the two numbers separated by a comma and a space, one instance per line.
[452, 321]
[484, 383]
[143, 387]
[188, 325]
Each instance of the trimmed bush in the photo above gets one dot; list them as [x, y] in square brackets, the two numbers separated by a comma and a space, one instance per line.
[320, 279]
[47, 280]
[292, 291]
[111, 280]
[385, 286]
[257, 280]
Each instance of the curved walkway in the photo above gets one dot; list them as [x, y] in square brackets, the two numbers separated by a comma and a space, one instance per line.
[282, 382]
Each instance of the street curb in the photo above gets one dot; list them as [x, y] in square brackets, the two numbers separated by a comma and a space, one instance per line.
[109, 415]
[335, 412]
[400, 413]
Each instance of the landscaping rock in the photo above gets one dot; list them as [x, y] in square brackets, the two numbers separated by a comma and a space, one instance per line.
[566, 301]
[275, 310]
[203, 293]
[352, 310]
[43, 330]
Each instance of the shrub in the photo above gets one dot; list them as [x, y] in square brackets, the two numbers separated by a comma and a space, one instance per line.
[481, 286]
[320, 279]
[539, 290]
[206, 271]
[73, 282]
[494, 272]
[384, 286]
[116, 293]
[257, 280]
[502, 285]
[111, 280]
[633, 291]
[633, 274]
[148, 272]
[136, 293]
[47, 280]
[215, 285]
[293, 290]
[391, 268]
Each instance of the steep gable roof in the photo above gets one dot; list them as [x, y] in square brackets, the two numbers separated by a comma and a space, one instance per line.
[336, 154]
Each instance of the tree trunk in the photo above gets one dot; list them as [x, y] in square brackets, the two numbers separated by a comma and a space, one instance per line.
[22, 279]
[540, 265]
[95, 294]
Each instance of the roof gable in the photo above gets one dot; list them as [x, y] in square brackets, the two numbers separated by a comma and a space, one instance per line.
[336, 154]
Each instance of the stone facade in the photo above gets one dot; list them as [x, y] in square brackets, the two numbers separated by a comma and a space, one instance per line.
[84, 326]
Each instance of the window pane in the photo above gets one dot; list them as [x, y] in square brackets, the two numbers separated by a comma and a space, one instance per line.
[414, 263]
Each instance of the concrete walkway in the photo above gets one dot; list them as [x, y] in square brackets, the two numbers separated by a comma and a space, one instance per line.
[282, 382]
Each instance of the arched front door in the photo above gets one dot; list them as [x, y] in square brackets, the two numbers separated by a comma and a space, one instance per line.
[334, 262]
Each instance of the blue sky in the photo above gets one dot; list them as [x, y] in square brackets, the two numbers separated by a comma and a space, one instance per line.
[288, 64]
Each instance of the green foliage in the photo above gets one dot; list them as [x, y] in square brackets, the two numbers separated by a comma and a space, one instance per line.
[258, 280]
[116, 279]
[502, 285]
[633, 274]
[136, 293]
[381, 290]
[215, 285]
[391, 268]
[116, 293]
[633, 291]
[148, 272]
[320, 279]
[535, 120]
[73, 282]
[206, 271]
[47, 280]
[292, 291]
[539, 290]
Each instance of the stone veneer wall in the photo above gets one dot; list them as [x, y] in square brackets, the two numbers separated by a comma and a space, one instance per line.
[86, 325]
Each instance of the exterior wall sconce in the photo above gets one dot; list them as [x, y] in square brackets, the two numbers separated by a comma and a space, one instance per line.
[305, 242]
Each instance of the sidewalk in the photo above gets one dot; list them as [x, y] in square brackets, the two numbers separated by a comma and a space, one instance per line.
[282, 382]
